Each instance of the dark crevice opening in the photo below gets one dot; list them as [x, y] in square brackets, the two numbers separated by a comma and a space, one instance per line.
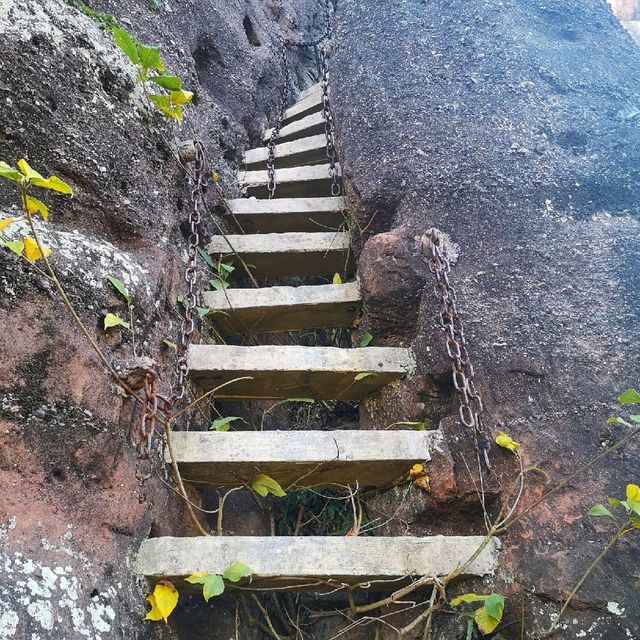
[252, 36]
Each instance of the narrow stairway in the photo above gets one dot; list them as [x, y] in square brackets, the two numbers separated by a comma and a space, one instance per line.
[296, 234]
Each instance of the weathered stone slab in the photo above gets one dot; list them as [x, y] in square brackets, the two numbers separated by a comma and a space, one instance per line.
[279, 372]
[306, 151]
[287, 254]
[284, 308]
[315, 563]
[304, 107]
[310, 125]
[306, 458]
[295, 182]
[309, 91]
[278, 215]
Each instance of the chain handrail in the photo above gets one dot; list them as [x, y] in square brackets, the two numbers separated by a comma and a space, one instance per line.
[471, 407]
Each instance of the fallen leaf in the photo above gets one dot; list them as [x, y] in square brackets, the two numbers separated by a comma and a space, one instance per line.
[416, 471]
[5, 222]
[112, 320]
[337, 279]
[423, 483]
[163, 601]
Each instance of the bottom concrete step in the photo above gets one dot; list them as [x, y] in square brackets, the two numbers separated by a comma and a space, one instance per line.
[307, 458]
[315, 563]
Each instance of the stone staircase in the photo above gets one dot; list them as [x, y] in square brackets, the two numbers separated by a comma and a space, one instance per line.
[291, 236]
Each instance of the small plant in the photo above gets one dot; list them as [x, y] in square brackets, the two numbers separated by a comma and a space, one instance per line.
[487, 617]
[264, 485]
[224, 424]
[366, 339]
[151, 68]
[113, 320]
[25, 178]
[165, 595]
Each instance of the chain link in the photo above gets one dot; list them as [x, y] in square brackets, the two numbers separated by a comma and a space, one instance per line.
[471, 406]
[284, 44]
[328, 124]
[190, 301]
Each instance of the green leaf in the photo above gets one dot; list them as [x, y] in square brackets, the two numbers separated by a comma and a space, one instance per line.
[218, 284]
[227, 268]
[308, 400]
[613, 502]
[262, 484]
[611, 420]
[9, 173]
[120, 288]
[207, 259]
[468, 597]
[127, 43]
[236, 572]
[202, 311]
[223, 424]
[112, 320]
[366, 339]
[630, 396]
[212, 585]
[634, 418]
[53, 184]
[469, 635]
[17, 246]
[599, 510]
[494, 605]
[149, 57]
[170, 83]
[170, 344]
[35, 206]
[364, 374]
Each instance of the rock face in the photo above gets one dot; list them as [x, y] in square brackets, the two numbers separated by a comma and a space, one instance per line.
[512, 127]
[69, 508]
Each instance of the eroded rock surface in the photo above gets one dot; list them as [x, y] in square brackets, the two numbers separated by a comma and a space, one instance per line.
[512, 127]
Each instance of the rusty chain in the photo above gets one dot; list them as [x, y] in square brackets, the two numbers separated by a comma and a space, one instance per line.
[284, 44]
[328, 124]
[155, 403]
[471, 407]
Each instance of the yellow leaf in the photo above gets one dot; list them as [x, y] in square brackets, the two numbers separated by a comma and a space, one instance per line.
[416, 471]
[54, 184]
[112, 320]
[154, 614]
[27, 171]
[423, 483]
[163, 601]
[5, 222]
[633, 492]
[215, 176]
[505, 441]
[32, 251]
[337, 279]
[35, 206]
[180, 97]
[486, 623]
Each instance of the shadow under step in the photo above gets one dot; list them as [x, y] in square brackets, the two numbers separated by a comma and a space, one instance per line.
[310, 125]
[250, 215]
[316, 563]
[295, 182]
[280, 372]
[301, 458]
[306, 151]
[271, 309]
[278, 255]
[309, 91]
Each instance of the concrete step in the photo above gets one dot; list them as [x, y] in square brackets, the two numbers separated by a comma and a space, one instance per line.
[315, 563]
[306, 151]
[304, 458]
[295, 182]
[270, 309]
[287, 214]
[279, 255]
[305, 106]
[314, 88]
[310, 125]
[280, 372]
